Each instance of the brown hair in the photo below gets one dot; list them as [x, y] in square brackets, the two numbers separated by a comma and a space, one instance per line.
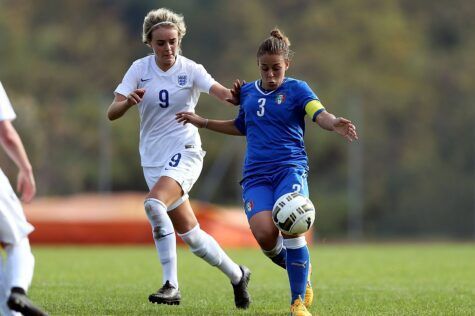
[276, 44]
[162, 17]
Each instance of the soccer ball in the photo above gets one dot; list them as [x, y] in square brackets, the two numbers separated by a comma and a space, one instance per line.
[293, 213]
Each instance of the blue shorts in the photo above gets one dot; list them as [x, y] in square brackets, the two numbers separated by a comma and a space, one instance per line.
[260, 193]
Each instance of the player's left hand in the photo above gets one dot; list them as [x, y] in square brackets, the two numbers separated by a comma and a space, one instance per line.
[345, 128]
[192, 118]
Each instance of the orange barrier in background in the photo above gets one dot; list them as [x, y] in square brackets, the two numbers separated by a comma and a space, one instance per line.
[120, 219]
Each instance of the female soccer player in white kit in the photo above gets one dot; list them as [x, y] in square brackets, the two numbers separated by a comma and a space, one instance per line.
[161, 85]
[16, 272]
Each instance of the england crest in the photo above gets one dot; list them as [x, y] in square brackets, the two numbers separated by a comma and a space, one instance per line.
[280, 98]
[182, 79]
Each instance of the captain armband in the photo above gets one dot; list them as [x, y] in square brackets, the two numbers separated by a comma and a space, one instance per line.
[313, 108]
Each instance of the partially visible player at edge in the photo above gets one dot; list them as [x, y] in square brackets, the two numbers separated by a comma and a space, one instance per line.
[161, 85]
[271, 117]
[16, 272]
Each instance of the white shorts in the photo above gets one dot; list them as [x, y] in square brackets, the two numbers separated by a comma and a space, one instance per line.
[184, 167]
[13, 224]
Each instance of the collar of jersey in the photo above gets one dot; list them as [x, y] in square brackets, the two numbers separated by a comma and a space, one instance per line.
[169, 71]
[262, 91]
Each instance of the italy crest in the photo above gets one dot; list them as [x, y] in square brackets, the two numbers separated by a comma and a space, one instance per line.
[280, 98]
[249, 205]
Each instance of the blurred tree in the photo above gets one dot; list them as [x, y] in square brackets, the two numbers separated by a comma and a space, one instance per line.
[408, 63]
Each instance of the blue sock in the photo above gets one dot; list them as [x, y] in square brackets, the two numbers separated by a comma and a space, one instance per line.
[280, 258]
[278, 254]
[297, 261]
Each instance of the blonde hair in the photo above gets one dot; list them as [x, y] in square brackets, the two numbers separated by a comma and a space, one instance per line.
[276, 44]
[162, 17]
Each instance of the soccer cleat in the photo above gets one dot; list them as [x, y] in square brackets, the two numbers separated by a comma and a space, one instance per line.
[21, 303]
[241, 295]
[167, 294]
[298, 308]
[308, 290]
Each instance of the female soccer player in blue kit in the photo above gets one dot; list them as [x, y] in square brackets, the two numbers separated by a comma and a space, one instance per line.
[271, 116]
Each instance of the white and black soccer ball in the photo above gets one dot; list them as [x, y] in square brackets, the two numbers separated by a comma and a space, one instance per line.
[293, 213]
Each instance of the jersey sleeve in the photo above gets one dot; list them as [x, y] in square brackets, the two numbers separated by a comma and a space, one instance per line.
[6, 109]
[305, 95]
[203, 80]
[130, 81]
[240, 121]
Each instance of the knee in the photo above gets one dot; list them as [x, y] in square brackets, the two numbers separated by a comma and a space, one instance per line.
[157, 215]
[22, 246]
[275, 249]
[202, 245]
[155, 209]
[21, 251]
[193, 237]
[266, 238]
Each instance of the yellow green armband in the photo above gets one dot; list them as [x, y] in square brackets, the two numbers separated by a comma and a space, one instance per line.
[313, 108]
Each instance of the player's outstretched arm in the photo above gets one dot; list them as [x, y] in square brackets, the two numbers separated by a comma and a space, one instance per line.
[121, 103]
[340, 125]
[224, 127]
[12, 144]
[224, 94]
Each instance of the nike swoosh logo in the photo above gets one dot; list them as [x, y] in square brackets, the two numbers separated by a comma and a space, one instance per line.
[143, 80]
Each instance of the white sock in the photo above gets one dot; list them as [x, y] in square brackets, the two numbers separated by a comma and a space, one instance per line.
[277, 248]
[206, 247]
[3, 289]
[295, 243]
[164, 238]
[20, 264]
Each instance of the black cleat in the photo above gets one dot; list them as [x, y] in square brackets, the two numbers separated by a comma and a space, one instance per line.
[167, 294]
[241, 295]
[21, 303]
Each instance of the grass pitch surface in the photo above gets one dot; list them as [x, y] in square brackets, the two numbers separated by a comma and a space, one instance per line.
[389, 279]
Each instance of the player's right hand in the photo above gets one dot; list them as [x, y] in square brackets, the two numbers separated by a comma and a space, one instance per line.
[135, 97]
[26, 185]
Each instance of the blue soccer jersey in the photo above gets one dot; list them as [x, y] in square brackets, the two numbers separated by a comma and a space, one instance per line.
[274, 125]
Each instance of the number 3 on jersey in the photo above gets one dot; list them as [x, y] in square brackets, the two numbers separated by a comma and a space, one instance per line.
[261, 110]
[163, 96]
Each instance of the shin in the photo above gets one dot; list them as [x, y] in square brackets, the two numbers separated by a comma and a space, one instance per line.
[164, 238]
[277, 254]
[206, 247]
[20, 264]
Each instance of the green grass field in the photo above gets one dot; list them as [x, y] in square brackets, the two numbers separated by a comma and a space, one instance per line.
[384, 279]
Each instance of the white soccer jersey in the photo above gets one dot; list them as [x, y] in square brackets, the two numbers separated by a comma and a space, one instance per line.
[13, 224]
[166, 93]
[6, 109]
